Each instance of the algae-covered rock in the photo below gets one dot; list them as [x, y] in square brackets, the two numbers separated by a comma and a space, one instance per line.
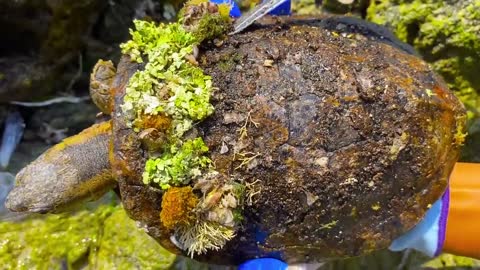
[104, 238]
[448, 261]
[446, 33]
[51, 242]
[123, 245]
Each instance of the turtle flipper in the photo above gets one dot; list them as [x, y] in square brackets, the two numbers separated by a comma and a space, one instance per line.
[74, 170]
[100, 80]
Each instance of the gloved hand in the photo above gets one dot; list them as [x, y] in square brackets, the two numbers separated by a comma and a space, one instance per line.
[427, 236]
[452, 223]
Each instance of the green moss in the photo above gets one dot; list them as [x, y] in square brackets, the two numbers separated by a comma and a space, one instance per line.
[177, 165]
[210, 27]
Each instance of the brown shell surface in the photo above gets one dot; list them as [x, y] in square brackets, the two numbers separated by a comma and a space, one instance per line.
[345, 141]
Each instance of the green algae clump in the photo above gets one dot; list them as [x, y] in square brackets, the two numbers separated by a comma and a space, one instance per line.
[177, 166]
[169, 83]
[172, 85]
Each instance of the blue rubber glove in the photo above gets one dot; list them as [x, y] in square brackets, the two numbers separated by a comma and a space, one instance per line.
[427, 236]
[282, 10]
[263, 264]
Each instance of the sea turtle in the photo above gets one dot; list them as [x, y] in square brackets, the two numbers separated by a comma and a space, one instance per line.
[340, 139]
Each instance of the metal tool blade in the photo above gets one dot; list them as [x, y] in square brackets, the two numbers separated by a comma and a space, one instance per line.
[258, 12]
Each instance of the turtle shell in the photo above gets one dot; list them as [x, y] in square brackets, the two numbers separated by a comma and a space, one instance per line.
[346, 139]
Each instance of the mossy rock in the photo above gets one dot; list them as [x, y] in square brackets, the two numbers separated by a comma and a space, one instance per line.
[102, 238]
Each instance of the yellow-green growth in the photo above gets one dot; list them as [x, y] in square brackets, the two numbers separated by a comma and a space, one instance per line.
[328, 226]
[172, 85]
[169, 83]
[118, 246]
[211, 26]
[177, 165]
[46, 243]
[460, 136]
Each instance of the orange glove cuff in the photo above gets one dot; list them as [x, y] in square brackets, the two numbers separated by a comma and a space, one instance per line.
[463, 223]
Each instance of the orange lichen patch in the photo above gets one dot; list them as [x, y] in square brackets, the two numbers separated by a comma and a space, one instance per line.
[85, 135]
[158, 122]
[441, 92]
[177, 207]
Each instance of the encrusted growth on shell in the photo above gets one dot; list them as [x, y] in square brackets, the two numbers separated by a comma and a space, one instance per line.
[162, 103]
[178, 204]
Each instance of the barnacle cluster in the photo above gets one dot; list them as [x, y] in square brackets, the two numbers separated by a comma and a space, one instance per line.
[200, 207]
